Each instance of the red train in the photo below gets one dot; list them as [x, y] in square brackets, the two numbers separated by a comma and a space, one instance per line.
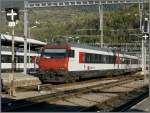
[71, 62]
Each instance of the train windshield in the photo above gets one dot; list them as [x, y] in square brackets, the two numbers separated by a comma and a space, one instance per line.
[54, 53]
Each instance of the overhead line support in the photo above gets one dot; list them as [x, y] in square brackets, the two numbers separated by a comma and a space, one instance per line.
[25, 34]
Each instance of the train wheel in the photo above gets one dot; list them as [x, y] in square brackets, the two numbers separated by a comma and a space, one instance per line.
[73, 79]
[66, 78]
[69, 79]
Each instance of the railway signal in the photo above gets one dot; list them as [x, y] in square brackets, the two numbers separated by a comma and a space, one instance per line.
[12, 16]
[145, 31]
[144, 52]
[145, 36]
[145, 26]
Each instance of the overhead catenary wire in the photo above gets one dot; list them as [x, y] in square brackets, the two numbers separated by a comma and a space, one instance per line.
[0, 39]
[149, 44]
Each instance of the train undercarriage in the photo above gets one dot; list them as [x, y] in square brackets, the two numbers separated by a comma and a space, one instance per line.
[72, 76]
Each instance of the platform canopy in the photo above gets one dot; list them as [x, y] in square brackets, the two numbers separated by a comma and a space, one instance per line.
[19, 42]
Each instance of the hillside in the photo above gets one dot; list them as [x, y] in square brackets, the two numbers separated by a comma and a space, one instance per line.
[58, 22]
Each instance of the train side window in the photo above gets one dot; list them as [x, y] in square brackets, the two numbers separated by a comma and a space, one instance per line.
[96, 58]
[20, 59]
[134, 61]
[104, 59]
[128, 61]
[71, 53]
[93, 58]
[100, 59]
[111, 59]
[87, 58]
[90, 58]
[108, 59]
[3, 59]
[6, 59]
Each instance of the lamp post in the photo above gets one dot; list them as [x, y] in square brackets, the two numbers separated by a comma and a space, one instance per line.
[101, 22]
[25, 35]
[141, 14]
[144, 52]
[78, 41]
[29, 41]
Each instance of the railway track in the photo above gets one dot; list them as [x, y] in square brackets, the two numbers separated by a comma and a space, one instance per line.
[20, 105]
[55, 86]
[129, 104]
[50, 86]
[121, 103]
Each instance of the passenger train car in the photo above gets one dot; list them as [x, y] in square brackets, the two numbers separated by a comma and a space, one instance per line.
[19, 60]
[70, 62]
[6, 54]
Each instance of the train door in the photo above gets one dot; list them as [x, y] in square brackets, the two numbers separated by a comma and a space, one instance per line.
[72, 54]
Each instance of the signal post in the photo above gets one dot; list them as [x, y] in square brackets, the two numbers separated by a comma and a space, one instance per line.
[12, 16]
[144, 48]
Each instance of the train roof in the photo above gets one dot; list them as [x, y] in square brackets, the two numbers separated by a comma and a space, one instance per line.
[102, 49]
[85, 46]
[92, 47]
[19, 41]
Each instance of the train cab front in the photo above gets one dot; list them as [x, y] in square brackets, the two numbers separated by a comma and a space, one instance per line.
[53, 63]
[54, 58]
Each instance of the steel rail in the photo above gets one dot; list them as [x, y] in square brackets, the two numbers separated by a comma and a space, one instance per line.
[131, 103]
[50, 86]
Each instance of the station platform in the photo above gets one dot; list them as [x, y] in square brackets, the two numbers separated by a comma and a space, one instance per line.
[20, 80]
[142, 106]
